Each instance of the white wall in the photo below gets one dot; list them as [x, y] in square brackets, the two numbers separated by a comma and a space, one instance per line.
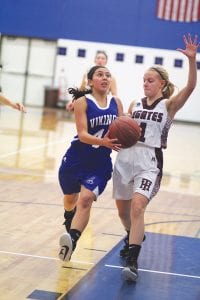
[28, 67]
[128, 74]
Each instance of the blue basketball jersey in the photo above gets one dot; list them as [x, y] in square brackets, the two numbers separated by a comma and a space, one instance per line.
[98, 121]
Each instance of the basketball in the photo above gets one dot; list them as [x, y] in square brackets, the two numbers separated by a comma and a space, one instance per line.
[126, 130]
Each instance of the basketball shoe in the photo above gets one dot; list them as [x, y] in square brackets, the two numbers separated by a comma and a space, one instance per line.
[66, 247]
[130, 272]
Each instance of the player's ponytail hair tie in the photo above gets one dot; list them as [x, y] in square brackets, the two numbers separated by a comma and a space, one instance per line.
[168, 89]
[76, 93]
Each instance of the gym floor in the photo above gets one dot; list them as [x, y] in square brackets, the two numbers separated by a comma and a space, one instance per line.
[31, 204]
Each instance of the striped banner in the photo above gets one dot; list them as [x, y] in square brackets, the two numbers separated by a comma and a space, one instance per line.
[179, 10]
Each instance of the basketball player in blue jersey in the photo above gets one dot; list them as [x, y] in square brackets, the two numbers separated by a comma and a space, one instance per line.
[101, 59]
[86, 166]
[138, 170]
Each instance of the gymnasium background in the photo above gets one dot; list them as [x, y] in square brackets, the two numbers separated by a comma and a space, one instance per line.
[48, 44]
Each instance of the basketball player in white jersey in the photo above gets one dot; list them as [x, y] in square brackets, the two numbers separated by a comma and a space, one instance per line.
[138, 170]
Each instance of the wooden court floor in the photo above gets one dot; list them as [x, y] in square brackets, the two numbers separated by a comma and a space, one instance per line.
[31, 148]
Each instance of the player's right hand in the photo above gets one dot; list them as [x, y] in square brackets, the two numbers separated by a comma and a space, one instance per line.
[111, 143]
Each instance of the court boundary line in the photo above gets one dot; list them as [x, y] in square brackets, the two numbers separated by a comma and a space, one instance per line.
[44, 257]
[26, 173]
[106, 265]
[110, 208]
[32, 148]
[157, 272]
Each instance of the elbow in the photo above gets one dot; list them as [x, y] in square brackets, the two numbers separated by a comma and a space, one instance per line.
[191, 89]
[81, 137]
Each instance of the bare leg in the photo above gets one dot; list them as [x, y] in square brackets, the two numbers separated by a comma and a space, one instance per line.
[70, 201]
[124, 208]
[79, 222]
[138, 206]
[83, 207]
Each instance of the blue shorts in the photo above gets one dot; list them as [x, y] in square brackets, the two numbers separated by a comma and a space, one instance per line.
[95, 180]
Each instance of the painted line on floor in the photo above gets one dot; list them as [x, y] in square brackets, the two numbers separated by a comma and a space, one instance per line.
[43, 257]
[158, 272]
[32, 148]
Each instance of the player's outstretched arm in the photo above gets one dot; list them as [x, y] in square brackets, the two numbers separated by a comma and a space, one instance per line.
[177, 101]
[17, 105]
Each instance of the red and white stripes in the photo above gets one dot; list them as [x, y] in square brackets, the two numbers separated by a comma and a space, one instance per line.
[179, 10]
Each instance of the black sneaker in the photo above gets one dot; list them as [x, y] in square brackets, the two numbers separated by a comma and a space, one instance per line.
[68, 215]
[130, 272]
[124, 252]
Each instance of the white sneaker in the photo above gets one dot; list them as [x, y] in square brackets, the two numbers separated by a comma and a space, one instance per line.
[66, 247]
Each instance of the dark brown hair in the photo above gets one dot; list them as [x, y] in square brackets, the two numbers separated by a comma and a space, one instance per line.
[76, 93]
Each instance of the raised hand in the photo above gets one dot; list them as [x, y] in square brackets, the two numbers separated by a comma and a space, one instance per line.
[191, 46]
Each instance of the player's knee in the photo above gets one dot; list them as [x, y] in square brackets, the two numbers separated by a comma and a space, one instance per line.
[70, 199]
[137, 210]
[85, 202]
[123, 215]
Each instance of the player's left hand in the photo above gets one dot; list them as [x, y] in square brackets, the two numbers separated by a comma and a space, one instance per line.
[191, 46]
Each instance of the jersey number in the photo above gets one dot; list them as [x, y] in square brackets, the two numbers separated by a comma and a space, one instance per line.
[98, 134]
[143, 127]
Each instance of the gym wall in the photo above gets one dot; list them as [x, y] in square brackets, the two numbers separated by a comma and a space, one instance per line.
[129, 31]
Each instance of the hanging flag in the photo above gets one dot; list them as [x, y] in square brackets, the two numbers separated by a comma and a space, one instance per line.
[179, 10]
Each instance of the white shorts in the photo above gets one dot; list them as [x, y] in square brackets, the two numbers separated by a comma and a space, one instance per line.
[137, 169]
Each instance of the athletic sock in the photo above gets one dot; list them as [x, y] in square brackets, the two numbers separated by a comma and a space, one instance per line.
[69, 213]
[134, 251]
[75, 235]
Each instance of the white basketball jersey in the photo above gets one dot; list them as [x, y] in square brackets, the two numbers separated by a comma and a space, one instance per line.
[154, 121]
